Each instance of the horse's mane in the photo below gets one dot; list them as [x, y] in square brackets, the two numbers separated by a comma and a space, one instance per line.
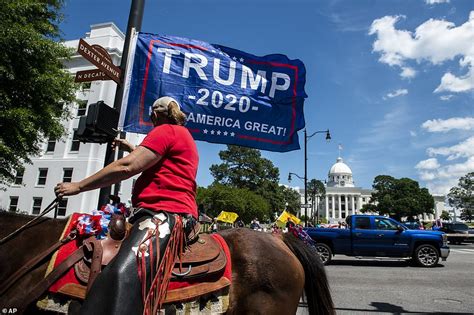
[9, 221]
[25, 216]
[15, 214]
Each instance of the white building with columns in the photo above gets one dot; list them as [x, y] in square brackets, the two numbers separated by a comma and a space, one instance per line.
[343, 198]
[68, 159]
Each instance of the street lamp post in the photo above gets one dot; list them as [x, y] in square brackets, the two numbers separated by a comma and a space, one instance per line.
[289, 180]
[306, 138]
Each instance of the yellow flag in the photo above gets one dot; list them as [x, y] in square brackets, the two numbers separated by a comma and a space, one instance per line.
[228, 217]
[283, 218]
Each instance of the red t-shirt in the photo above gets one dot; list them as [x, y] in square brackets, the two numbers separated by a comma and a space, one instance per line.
[171, 183]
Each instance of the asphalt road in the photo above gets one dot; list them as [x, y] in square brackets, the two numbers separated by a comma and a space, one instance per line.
[396, 287]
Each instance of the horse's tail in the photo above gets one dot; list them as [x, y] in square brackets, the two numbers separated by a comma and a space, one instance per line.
[316, 283]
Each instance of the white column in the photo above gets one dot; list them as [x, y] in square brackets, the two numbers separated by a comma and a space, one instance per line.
[333, 206]
[353, 204]
[359, 203]
[327, 207]
[339, 208]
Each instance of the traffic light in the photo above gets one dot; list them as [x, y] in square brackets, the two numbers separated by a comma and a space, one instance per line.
[99, 125]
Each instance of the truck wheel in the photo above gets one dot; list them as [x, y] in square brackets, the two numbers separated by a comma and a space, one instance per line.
[426, 256]
[324, 252]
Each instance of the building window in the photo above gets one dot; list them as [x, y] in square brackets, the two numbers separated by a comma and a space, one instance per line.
[36, 205]
[81, 107]
[19, 176]
[62, 206]
[363, 199]
[51, 146]
[75, 143]
[67, 175]
[13, 204]
[43, 173]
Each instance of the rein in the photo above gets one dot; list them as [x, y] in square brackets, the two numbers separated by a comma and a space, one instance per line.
[34, 261]
[48, 209]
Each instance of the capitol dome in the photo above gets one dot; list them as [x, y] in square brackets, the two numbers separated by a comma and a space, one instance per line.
[340, 175]
[340, 168]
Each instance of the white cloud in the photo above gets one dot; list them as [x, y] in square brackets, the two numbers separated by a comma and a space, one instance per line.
[441, 180]
[436, 1]
[412, 133]
[446, 97]
[408, 73]
[434, 41]
[451, 83]
[427, 176]
[429, 164]
[445, 125]
[398, 92]
[463, 149]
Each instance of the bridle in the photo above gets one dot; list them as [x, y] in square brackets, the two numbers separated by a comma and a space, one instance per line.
[48, 209]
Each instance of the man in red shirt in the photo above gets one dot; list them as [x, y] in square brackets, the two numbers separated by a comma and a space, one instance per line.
[164, 203]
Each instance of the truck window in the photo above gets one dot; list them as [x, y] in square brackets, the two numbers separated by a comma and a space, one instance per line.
[362, 223]
[384, 224]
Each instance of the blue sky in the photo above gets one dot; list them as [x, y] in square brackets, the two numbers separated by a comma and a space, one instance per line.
[393, 80]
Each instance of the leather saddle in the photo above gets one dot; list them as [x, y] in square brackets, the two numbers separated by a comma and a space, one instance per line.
[99, 253]
[203, 258]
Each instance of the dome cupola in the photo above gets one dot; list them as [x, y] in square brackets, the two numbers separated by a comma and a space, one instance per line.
[340, 175]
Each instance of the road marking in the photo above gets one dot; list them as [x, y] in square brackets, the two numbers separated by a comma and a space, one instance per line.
[463, 250]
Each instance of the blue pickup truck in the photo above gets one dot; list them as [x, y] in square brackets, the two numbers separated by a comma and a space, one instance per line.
[379, 236]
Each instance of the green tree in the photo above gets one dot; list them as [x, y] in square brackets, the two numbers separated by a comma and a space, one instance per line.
[316, 191]
[245, 203]
[399, 198]
[243, 167]
[445, 215]
[462, 197]
[33, 84]
[292, 199]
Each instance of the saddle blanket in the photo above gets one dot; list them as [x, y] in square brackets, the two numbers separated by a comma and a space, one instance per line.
[69, 278]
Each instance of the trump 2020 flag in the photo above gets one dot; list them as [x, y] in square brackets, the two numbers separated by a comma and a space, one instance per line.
[229, 96]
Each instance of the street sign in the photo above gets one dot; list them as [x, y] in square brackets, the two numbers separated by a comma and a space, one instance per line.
[306, 205]
[97, 58]
[91, 75]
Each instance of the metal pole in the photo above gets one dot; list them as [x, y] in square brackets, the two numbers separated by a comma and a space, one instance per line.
[135, 18]
[305, 178]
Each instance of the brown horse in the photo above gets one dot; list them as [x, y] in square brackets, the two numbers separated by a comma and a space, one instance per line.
[269, 273]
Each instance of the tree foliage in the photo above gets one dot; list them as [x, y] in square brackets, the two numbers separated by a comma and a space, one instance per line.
[316, 191]
[399, 198]
[462, 197]
[292, 199]
[245, 203]
[245, 168]
[445, 215]
[33, 84]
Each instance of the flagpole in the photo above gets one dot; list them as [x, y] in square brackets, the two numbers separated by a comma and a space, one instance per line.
[135, 18]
